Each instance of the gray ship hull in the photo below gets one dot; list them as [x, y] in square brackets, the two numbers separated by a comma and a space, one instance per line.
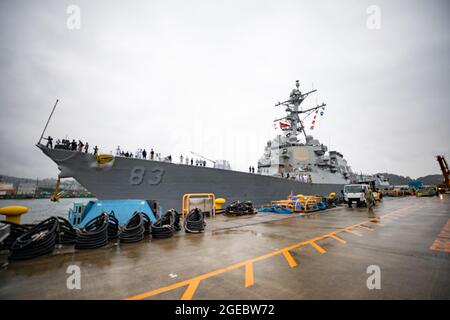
[129, 178]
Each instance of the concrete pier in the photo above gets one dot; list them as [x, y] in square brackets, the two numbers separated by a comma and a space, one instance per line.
[333, 254]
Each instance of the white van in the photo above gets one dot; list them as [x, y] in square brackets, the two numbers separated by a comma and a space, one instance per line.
[355, 193]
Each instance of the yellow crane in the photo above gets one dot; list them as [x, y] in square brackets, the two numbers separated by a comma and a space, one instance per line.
[57, 194]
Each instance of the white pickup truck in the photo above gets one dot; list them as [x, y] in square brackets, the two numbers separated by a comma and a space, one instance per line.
[354, 193]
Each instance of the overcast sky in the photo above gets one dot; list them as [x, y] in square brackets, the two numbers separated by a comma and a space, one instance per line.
[204, 76]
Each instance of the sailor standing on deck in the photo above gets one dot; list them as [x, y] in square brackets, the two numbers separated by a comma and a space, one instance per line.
[80, 146]
[49, 142]
[152, 154]
[73, 145]
[181, 159]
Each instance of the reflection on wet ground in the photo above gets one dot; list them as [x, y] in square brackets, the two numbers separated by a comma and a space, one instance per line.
[400, 245]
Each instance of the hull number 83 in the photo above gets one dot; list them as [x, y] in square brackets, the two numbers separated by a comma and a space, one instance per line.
[138, 175]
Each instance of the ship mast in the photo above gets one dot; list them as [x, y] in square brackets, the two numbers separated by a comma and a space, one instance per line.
[293, 110]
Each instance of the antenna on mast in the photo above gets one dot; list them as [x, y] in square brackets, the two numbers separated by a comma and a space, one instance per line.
[48, 120]
[293, 110]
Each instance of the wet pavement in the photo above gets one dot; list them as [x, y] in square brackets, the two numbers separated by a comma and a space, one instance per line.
[325, 255]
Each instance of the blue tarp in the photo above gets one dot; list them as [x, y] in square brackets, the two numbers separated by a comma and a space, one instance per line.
[322, 206]
[123, 210]
[275, 209]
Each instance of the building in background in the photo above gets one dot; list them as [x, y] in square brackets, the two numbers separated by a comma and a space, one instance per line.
[27, 188]
[7, 189]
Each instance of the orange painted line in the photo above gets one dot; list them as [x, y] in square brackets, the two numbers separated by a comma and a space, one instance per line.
[290, 259]
[249, 275]
[193, 283]
[365, 227]
[159, 291]
[189, 293]
[377, 223]
[442, 237]
[338, 239]
[354, 232]
[182, 283]
[317, 247]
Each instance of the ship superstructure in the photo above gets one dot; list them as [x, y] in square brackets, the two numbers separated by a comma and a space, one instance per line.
[304, 159]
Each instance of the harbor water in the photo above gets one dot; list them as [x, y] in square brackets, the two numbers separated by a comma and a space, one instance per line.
[40, 209]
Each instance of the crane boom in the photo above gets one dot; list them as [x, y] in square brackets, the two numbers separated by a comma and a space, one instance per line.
[444, 169]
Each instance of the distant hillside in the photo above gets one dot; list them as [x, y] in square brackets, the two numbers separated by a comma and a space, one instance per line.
[49, 183]
[71, 184]
[432, 179]
[395, 179]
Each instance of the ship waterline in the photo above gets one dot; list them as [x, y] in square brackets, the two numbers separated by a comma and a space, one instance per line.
[129, 178]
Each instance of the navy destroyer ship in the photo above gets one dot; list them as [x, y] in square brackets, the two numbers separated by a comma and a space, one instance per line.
[293, 163]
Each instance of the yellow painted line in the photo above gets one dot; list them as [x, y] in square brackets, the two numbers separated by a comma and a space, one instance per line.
[317, 247]
[290, 259]
[189, 293]
[183, 283]
[338, 239]
[159, 291]
[192, 283]
[365, 227]
[377, 223]
[354, 232]
[442, 243]
[249, 275]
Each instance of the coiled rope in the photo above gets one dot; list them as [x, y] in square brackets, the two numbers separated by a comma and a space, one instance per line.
[67, 234]
[37, 241]
[167, 225]
[195, 221]
[15, 231]
[26, 242]
[238, 208]
[134, 229]
[113, 226]
[94, 234]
